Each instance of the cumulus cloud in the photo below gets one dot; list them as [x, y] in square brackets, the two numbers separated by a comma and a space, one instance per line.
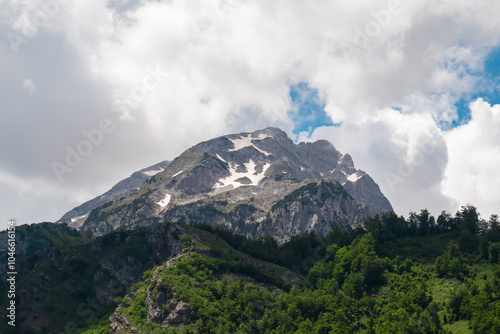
[228, 66]
[474, 156]
[406, 154]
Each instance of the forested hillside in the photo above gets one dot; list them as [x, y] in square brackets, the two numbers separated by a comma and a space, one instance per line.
[393, 275]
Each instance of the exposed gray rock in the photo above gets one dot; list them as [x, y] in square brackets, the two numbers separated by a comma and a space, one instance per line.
[179, 316]
[237, 180]
[318, 207]
[120, 325]
[131, 185]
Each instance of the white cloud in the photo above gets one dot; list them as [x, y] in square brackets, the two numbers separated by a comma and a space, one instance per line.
[472, 175]
[34, 200]
[229, 65]
[404, 153]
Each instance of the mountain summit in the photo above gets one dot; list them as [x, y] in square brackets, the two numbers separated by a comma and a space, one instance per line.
[256, 184]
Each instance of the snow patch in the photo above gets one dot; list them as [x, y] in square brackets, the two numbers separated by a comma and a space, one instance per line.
[246, 141]
[353, 177]
[78, 218]
[251, 174]
[164, 202]
[177, 174]
[218, 156]
[262, 151]
[314, 221]
[153, 172]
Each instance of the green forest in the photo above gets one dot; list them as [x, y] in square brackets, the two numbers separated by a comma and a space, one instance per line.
[392, 275]
[419, 274]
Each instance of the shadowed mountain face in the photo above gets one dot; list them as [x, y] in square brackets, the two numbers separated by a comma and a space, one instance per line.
[256, 184]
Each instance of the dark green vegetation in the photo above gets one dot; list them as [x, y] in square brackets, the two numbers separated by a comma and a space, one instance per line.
[66, 279]
[394, 275]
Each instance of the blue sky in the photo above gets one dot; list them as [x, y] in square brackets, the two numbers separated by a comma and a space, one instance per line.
[308, 108]
[487, 88]
[308, 111]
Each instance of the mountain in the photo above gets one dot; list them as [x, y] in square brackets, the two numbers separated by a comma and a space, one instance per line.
[255, 184]
[153, 273]
[131, 185]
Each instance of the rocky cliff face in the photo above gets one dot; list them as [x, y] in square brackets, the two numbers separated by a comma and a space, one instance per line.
[244, 182]
[317, 206]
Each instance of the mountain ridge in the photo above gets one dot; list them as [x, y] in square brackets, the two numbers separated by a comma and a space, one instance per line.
[235, 181]
[127, 186]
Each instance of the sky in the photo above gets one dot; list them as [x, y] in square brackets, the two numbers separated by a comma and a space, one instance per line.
[94, 90]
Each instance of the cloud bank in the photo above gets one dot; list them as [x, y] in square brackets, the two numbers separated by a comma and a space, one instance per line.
[169, 74]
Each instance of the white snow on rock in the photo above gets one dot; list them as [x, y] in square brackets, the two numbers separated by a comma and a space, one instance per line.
[314, 221]
[218, 156]
[251, 174]
[164, 202]
[153, 172]
[353, 177]
[246, 142]
[78, 218]
[177, 174]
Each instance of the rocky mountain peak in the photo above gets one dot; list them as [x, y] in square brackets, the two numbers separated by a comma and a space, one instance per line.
[346, 163]
[236, 181]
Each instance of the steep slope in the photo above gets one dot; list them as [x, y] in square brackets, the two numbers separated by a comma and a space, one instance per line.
[76, 217]
[237, 180]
